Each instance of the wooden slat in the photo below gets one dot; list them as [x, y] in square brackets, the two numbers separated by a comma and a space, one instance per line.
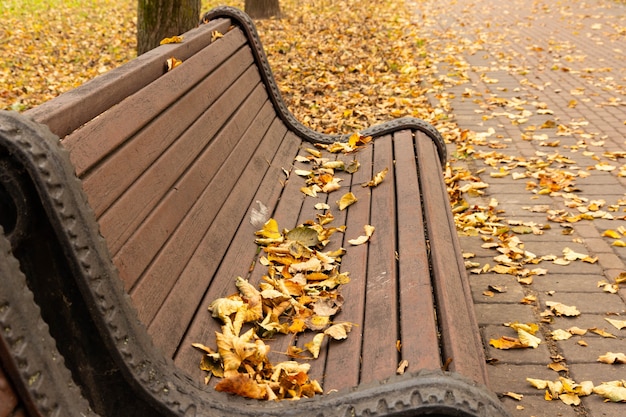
[241, 251]
[101, 136]
[121, 220]
[343, 362]
[420, 344]
[461, 342]
[182, 302]
[155, 284]
[380, 331]
[113, 176]
[67, 112]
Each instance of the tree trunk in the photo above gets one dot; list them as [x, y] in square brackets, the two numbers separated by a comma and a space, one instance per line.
[158, 19]
[262, 9]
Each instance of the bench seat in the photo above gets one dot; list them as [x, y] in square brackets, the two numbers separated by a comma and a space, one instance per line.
[145, 212]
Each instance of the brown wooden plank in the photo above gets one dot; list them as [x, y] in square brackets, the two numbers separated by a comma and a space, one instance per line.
[121, 220]
[343, 362]
[114, 175]
[380, 329]
[461, 342]
[242, 250]
[308, 213]
[94, 141]
[184, 301]
[420, 342]
[67, 112]
[161, 276]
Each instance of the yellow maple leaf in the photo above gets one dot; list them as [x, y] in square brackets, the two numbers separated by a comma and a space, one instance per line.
[173, 39]
[378, 178]
[346, 200]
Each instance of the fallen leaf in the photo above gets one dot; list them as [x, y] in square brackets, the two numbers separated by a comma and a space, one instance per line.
[378, 178]
[562, 310]
[346, 200]
[614, 391]
[172, 63]
[173, 39]
[513, 395]
[619, 324]
[339, 331]
[612, 358]
[602, 333]
[402, 367]
[560, 334]
[243, 385]
[315, 345]
[369, 231]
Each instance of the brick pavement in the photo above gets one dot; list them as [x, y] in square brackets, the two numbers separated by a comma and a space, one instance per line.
[559, 66]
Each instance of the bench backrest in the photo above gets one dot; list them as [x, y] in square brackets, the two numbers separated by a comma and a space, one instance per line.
[158, 165]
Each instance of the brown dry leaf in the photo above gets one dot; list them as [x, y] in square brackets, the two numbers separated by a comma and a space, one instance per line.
[242, 385]
[557, 366]
[602, 333]
[215, 35]
[172, 63]
[612, 358]
[577, 331]
[514, 395]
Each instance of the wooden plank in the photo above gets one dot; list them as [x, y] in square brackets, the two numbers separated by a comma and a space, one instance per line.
[461, 342]
[343, 362]
[418, 323]
[121, 220]
[242, 250]
[113, 176]
[380, 329]
[101, 136]
[183, 301]
[161, 276]
[67, 112]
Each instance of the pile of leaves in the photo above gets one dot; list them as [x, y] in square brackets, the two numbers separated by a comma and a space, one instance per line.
[300, 292]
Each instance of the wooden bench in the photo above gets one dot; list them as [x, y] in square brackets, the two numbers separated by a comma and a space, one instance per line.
[145, 211]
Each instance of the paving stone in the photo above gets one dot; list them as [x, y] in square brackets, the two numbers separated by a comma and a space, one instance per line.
[513, 292]
[538, 356]
[567, 283]
[599, 303]
[498, 313]
[537, 406]
[575, 354]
